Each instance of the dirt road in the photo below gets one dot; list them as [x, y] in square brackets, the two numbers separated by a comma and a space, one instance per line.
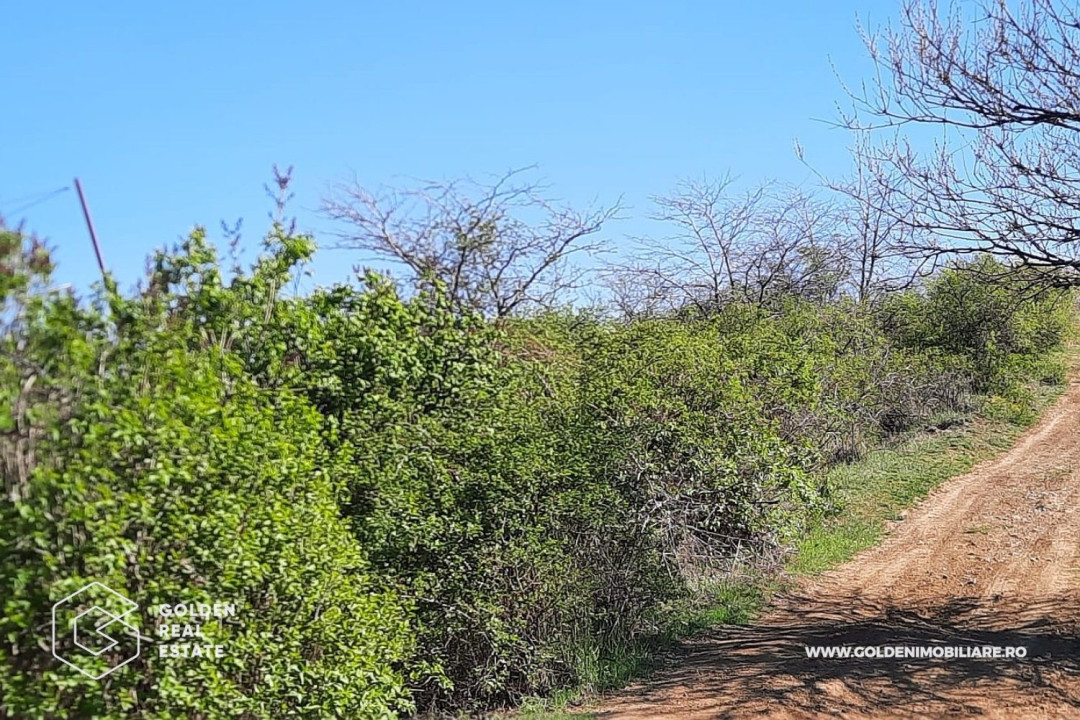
[989, 558]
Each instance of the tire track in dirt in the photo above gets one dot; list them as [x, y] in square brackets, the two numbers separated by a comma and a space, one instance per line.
[988, 558]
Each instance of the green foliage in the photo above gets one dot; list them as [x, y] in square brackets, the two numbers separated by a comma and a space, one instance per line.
[887, 480]
[968, 320]
[162, 470]
[415, 508]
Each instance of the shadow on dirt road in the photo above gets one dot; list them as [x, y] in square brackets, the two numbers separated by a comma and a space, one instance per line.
[764, 671]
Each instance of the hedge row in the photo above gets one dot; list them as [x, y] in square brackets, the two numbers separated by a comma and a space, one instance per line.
[414, 509]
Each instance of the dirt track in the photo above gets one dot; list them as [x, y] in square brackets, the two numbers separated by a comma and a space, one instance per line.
[989, 558]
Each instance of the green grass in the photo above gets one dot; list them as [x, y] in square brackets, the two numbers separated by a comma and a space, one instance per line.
[885, 482]
[734, 603]
[879, 487]
[870, 492]
[542, 713]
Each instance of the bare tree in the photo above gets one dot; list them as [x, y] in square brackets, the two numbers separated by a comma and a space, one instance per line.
[497, 248]
[696, 265]
[1003, 87]
[751, 247]
[878, 242]
[799, 249]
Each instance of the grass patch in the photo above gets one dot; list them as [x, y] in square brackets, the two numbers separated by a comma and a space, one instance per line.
[875, 490]
[542, 712]
[880, 486]
[732, 603]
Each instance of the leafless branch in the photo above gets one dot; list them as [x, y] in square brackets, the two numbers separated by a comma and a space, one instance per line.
[1003, 86]
[754, 247]
[498, 248]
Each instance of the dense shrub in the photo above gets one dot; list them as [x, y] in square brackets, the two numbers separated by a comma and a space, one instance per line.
[991, 330]
[414, 507]
[157, 467]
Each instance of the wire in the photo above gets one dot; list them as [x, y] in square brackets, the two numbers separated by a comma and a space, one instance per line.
[24, 198]
[37, 200]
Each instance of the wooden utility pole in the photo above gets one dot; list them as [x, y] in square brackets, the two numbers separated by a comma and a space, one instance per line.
[90, 227]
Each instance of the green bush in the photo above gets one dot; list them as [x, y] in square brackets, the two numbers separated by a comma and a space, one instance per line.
[979, 326]
[163, 471]
[464, 493]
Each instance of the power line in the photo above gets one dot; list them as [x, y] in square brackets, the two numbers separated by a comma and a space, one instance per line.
[36, 200]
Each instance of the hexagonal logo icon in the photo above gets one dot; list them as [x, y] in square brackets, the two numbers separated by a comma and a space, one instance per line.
[91, 632]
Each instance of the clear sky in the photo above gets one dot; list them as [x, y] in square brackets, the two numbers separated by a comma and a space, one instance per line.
[173, 113]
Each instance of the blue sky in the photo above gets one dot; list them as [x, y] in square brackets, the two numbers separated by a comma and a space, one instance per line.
[173, 113]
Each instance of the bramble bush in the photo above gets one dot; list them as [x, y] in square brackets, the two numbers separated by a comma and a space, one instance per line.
[415, 508]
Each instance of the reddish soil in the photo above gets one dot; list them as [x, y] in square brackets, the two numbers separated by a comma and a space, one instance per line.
[988, 558]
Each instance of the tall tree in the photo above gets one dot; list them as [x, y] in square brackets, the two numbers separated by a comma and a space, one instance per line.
[753, 247]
